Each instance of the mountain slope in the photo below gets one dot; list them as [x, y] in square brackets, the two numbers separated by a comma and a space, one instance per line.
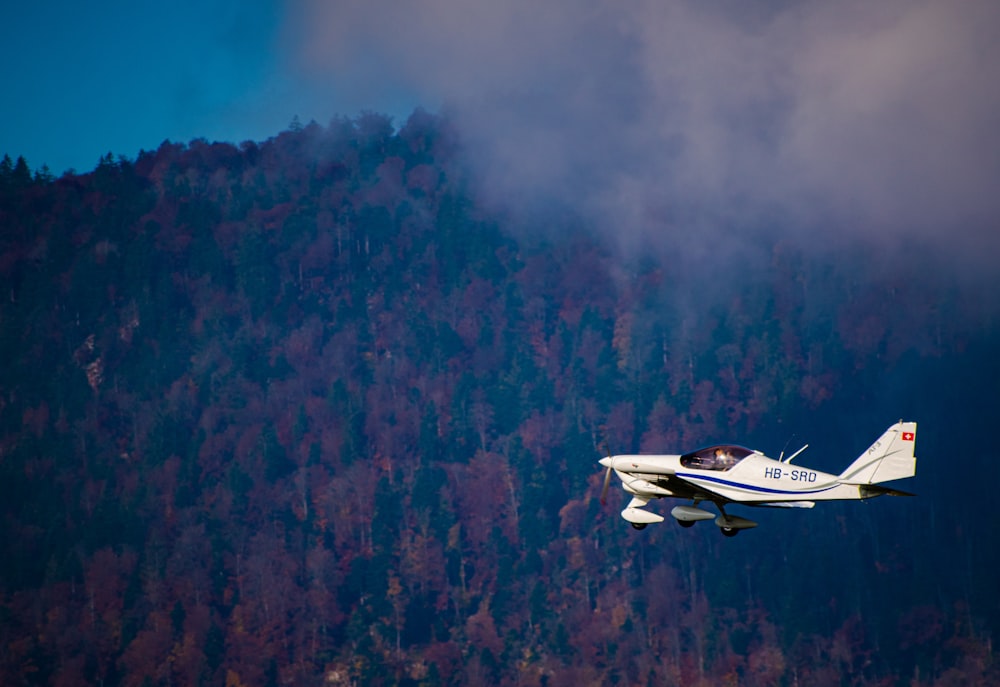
[305, 408]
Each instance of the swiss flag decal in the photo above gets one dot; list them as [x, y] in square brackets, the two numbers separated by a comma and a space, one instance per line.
[908, 436]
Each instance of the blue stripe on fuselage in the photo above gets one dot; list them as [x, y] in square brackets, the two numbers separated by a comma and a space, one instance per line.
[753, 487]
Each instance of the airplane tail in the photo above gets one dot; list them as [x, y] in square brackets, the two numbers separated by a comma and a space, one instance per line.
[889, 458]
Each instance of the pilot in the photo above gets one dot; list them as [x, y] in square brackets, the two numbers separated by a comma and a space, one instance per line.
[723, 459]
[719, 459]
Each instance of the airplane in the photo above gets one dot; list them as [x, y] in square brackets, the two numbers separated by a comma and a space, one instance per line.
[727, 473]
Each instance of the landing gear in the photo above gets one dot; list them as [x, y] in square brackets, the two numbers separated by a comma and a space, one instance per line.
[687, 516]
[730, 525]
[721, 522]
[637, 516]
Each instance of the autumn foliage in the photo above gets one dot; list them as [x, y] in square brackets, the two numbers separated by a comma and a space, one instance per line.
[304, 411]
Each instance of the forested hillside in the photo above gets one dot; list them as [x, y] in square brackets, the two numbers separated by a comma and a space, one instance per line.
[306, 411]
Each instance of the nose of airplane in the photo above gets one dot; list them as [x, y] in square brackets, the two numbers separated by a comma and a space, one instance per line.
[606, 461]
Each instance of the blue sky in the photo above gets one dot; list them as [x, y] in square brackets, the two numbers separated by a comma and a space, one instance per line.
[84, 79]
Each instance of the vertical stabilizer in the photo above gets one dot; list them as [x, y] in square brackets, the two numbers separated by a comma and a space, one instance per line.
[889, 458]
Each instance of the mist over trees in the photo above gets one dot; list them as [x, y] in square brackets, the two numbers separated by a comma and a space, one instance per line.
[306, 410]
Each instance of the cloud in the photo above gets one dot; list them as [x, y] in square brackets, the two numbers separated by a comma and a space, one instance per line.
[868, 120]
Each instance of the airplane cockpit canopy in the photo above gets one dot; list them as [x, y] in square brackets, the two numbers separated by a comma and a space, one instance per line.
[722, 457]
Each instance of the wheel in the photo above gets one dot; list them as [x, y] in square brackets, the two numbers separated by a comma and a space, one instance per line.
[638, 525]
[686, 523]
[729, 531]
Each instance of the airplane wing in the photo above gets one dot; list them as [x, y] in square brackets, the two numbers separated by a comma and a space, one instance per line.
[785, 504]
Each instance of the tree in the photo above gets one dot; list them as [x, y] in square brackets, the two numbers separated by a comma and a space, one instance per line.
[348, 416]
[20, 175]
[6, 173]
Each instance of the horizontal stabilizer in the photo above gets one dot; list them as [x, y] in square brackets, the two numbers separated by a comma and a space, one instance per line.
[869, 491]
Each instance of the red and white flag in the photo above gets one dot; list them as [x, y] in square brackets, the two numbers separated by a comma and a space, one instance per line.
[908, 436]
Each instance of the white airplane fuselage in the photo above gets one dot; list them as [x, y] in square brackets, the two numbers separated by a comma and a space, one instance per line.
[755, 479]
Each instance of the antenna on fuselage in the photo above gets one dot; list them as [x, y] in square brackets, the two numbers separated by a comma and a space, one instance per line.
[781, 456]
[789, 460]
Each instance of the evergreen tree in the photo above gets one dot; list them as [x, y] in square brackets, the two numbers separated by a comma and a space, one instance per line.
[21, 174]
[43, 175]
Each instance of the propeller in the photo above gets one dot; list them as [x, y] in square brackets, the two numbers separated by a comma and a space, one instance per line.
[607, 479]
